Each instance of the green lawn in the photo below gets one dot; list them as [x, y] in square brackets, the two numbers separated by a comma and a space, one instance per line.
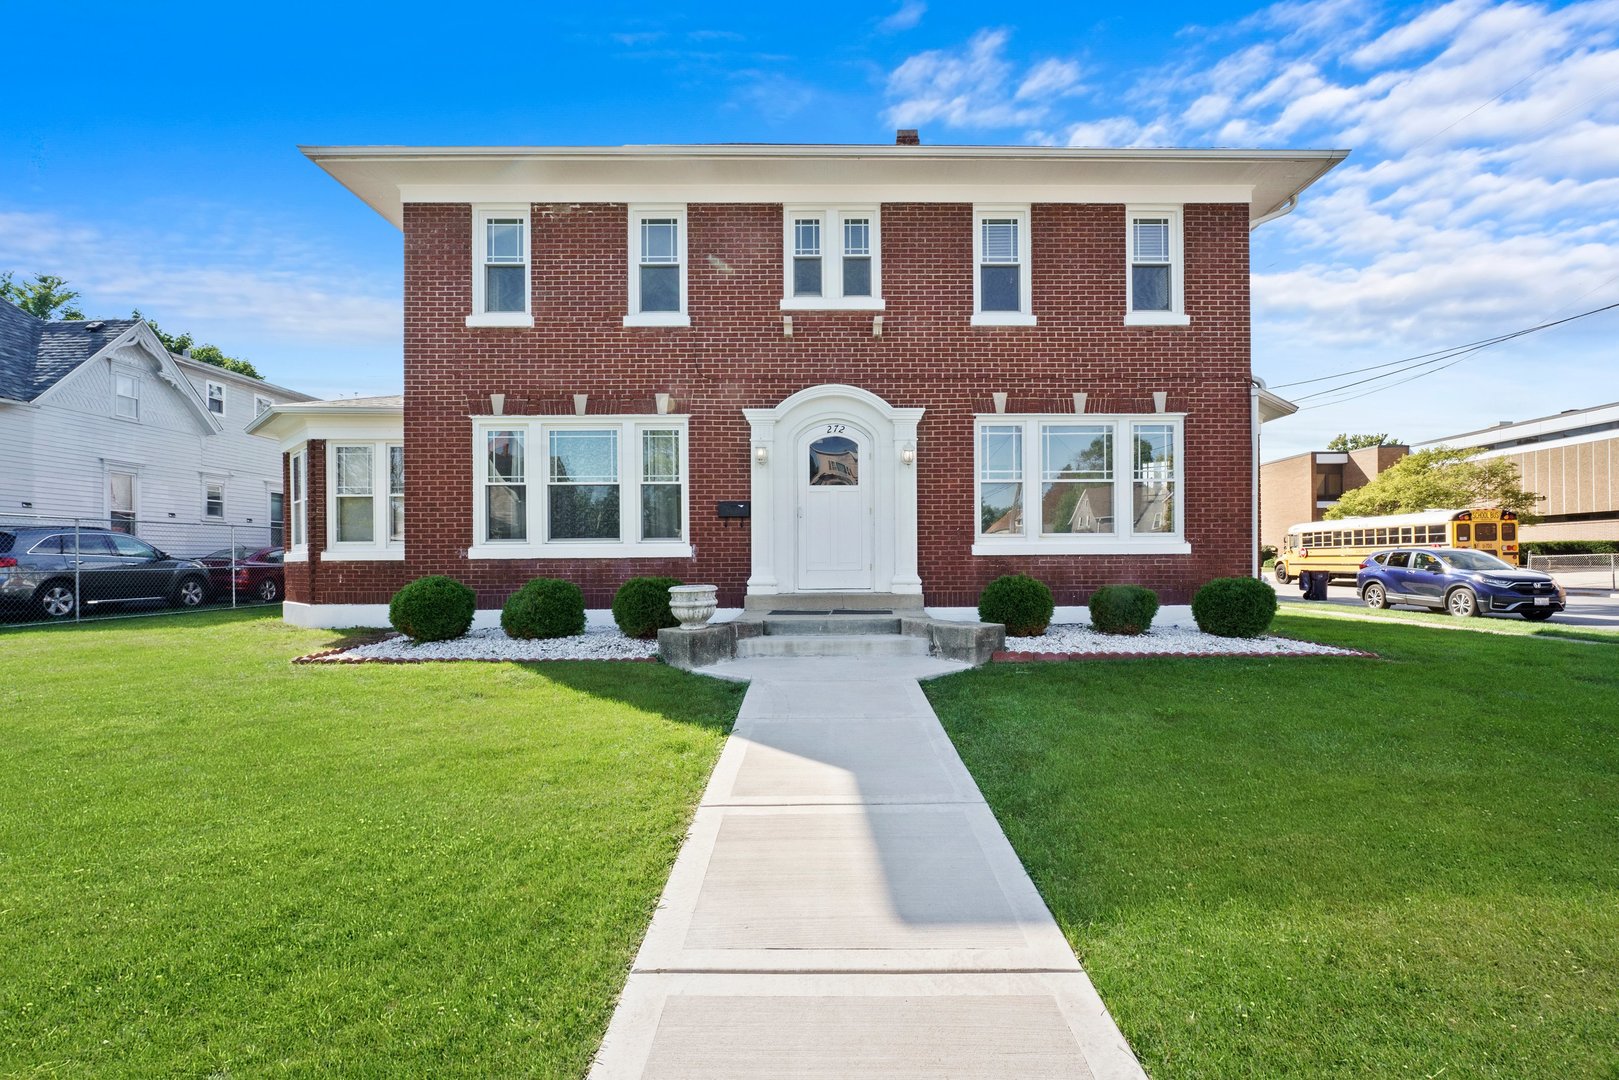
[214, 863]
[1406, 867]
[1495, 624]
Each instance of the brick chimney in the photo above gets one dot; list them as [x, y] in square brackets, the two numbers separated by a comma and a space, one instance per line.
[907, 137]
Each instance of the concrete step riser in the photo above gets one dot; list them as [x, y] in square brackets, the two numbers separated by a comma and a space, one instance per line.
[832, 645]
[830, 601]
[836, 624]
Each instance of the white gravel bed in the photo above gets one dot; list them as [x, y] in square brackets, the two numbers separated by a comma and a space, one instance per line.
[1167, 641]
[596, 643]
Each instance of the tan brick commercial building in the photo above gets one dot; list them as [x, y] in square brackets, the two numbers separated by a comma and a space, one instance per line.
[1571, 459]
[1305, 486]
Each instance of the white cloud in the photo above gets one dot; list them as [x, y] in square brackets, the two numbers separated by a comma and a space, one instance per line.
[969, 87]
[1049, 78]
[906, 18]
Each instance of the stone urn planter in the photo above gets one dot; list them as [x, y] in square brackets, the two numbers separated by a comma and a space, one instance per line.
[693, 605]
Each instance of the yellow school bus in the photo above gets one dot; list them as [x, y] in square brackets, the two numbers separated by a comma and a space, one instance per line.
[1338, 547]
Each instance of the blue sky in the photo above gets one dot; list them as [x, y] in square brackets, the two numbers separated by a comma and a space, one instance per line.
[151, 158]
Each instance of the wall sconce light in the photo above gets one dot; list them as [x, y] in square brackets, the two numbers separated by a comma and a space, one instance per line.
[907, 456]
[579, 403]
[1000, 401]
[497, 404]
[663, 401]
[1160, 400]
[1079, 403]
[760, 455]
[786, 326]
[876, 326]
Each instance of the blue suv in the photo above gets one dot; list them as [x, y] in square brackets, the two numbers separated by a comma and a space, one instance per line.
[1459, 581]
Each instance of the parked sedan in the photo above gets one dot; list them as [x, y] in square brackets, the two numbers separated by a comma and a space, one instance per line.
[51, 571]
[1459, 581]
[254, 573]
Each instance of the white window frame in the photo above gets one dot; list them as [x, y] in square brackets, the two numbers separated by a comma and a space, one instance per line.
[379, 548]
[1024, 316]
[1176, 316]
[262, 405]
[209, 387]
[297, 506]
[1122, 541]
[481, 214]
[537, 470]
[832, 256]
[118, 399]
[209, 482]
[635, 316]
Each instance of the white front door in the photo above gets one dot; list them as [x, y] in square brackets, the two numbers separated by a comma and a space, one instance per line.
[835, 518]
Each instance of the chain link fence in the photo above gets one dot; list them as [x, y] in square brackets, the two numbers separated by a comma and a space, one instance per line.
[1580, 571]
[66, 569]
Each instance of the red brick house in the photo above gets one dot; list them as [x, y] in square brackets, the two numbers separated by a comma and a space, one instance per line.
[797, 369]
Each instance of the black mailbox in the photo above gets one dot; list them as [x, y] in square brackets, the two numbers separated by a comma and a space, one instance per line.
[734, 509]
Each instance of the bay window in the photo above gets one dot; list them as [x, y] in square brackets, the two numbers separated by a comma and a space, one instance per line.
[611, 487]
[1067, 484]
[365, 509]
[298, 467]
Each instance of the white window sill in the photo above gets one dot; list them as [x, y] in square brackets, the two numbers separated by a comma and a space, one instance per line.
[658, 318]
[607, 550]
[833, 303]
[1105, 546]
[299, 555]
[363, 554]
[1002, 318]
[501, 318]
[1157, 318]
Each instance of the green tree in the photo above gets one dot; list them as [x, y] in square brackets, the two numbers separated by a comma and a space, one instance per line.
[185, 344]
[1344, 441]
[46, 297]
[1442, 478]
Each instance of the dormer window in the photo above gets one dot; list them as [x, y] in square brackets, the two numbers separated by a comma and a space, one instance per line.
[500, 265]
[1155, 271]
[832, 259]
[126, 397]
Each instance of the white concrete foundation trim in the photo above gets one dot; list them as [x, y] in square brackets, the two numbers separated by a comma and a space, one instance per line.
[344, 616]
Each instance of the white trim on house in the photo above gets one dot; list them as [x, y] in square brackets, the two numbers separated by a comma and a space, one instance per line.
[638, 214]
[480, 317]
[1028, 538]
[536, 431]
[779, 431]
[1176, 261]
[1024, 315]
[833, 255]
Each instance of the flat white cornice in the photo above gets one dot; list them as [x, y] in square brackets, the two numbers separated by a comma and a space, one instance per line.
[388, 177]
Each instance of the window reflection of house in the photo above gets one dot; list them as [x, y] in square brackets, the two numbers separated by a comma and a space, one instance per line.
[834, 461]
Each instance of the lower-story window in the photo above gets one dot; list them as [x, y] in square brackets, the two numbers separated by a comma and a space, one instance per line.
[365, 501]
[613, 487]
[1075, 484]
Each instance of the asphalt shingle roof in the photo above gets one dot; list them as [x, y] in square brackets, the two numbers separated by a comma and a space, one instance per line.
[35, 354]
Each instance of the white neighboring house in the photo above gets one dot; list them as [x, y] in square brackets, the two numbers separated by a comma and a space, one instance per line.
[98, 421]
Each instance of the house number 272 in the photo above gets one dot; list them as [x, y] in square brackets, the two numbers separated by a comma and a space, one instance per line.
[834, 429]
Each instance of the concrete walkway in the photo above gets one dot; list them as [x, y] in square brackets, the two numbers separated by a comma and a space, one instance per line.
[846, 906]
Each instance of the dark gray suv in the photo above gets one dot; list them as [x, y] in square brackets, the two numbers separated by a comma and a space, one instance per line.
[50, 571]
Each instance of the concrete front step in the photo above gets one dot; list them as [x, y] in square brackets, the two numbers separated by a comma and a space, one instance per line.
[826, 601]
[826, 644]
[831, 624]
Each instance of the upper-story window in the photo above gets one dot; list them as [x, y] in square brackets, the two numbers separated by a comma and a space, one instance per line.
[657, 267]
[500, 262]
[1001, 267]
[216, 398]
[833, 259]
[1155, 269]
[126, 396]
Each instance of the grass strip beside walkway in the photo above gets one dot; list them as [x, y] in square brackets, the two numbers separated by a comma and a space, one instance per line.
[213, 862]
[1325, 868]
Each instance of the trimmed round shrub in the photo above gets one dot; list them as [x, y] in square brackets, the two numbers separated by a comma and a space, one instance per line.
[641, 606]
[1123, 609]
[544, 608]
[432, 609]
[1019, 601]
[1234, 607]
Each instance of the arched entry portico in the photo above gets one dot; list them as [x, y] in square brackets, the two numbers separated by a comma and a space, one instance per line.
[834, 503]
